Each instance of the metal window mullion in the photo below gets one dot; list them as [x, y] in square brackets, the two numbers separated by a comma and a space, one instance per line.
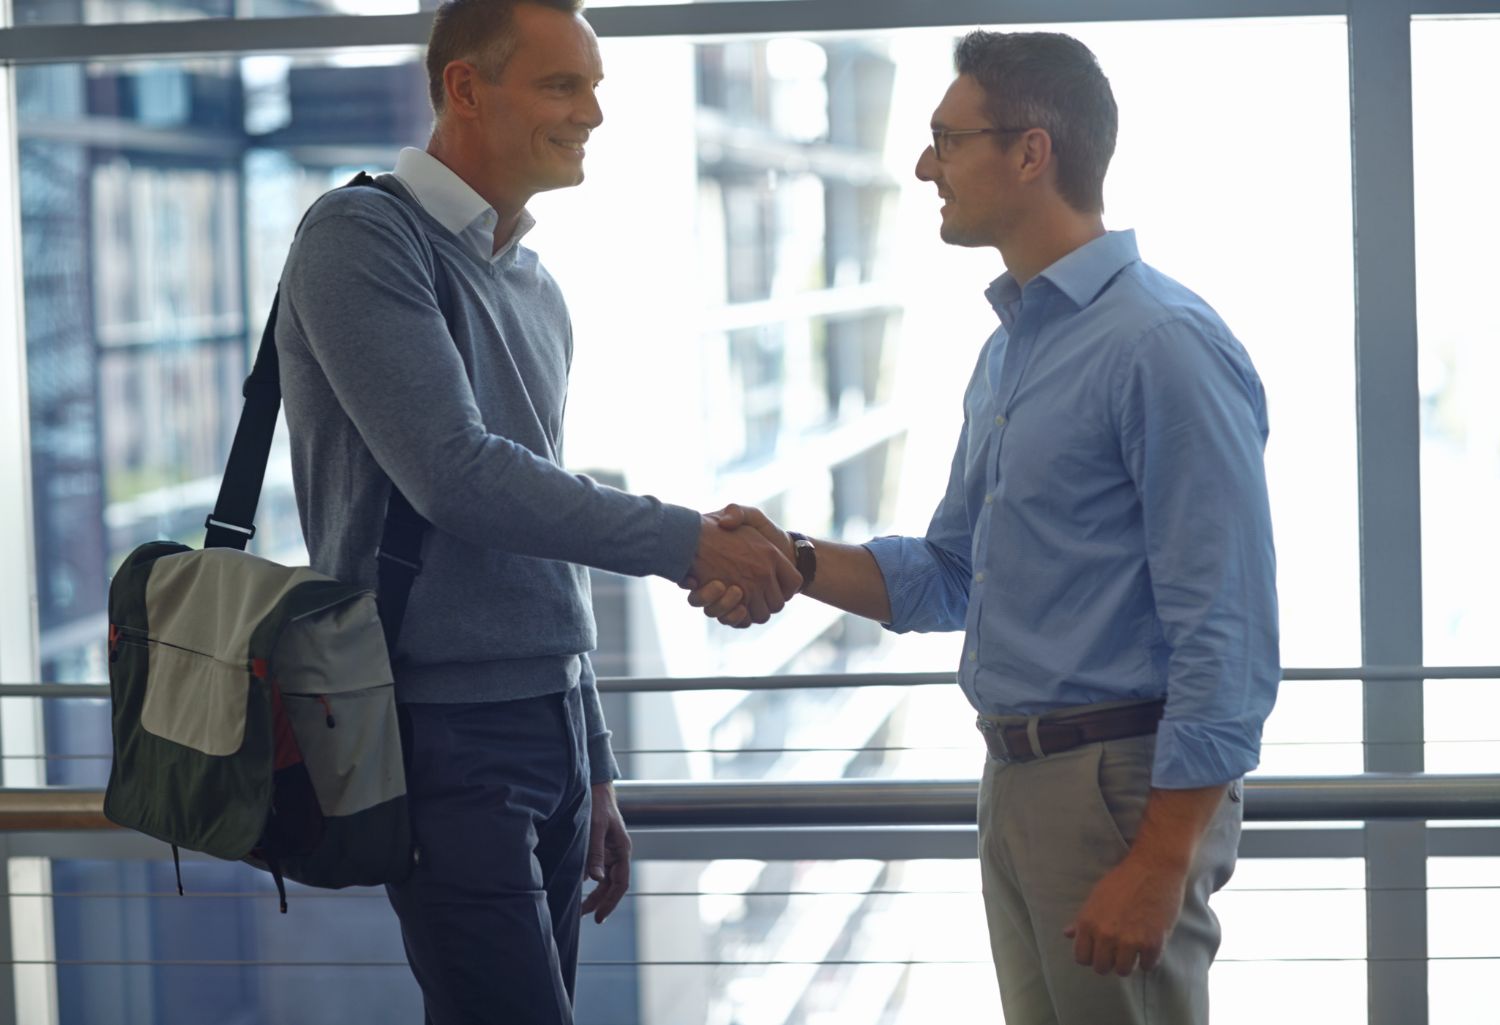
[1389, 490]
[18, 627]
[54, 43]
[18, 634]
[1454, 8]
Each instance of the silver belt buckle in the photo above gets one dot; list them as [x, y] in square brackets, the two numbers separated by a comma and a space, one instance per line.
[994, 739]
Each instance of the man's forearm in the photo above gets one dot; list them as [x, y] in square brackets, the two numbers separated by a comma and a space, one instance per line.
[849, 578]
[1173, 824]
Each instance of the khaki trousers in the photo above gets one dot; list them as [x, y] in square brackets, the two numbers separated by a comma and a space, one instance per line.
[1049, 829]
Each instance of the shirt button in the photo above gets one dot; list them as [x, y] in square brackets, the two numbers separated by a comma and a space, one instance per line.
[973, 656]
[999, 421]
[979, 577]
[989, 499]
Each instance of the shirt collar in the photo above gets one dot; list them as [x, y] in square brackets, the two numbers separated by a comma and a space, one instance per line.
[1081, 275]
[452, 202]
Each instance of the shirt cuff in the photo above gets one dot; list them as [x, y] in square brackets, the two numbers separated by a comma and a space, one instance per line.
[602, 765]
[890, 556]
[681, 528]
[1191, 755]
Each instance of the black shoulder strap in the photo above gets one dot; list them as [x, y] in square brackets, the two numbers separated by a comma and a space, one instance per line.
[232, 523]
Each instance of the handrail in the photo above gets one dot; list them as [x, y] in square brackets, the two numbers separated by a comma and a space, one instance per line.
[879, 802]
[813, 681]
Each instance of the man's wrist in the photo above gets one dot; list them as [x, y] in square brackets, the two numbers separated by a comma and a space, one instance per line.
[1172, 826]
[1160, 862]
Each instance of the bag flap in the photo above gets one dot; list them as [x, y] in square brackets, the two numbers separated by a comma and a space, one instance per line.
[333, 650]
[214, 601]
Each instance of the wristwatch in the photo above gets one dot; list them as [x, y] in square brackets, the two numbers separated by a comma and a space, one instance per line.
[805, 555]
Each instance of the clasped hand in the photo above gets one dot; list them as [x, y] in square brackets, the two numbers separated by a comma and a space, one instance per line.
[743, 572]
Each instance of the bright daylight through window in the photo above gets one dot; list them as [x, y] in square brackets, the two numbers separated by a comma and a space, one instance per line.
[763, 313]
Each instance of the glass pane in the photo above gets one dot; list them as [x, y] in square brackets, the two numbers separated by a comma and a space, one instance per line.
[779, 325]
[1460, 719]
[1458, 336]
[831, 942]
[1315, 729]
[1461, 903]
[157, 202]
[770, 228]
[1303, 343]
[825, 328]
[1267, 972]
[1458, 330]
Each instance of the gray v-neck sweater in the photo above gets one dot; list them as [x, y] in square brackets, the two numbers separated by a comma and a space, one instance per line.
[466, 418]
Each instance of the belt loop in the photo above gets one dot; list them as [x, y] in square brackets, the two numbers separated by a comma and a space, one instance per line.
[1034, 736]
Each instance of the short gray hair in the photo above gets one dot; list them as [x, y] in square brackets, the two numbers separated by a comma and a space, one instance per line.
[482, 31]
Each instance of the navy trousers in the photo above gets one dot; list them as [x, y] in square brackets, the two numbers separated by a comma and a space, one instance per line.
[499, 796]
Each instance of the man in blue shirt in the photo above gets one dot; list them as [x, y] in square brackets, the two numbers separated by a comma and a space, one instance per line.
[1105, 545]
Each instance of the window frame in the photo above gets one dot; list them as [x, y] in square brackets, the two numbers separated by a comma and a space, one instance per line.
[1388, 438]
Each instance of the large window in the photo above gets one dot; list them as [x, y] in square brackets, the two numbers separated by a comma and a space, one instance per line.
[763, 313]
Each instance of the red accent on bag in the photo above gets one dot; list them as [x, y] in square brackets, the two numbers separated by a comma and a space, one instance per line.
[287, 751]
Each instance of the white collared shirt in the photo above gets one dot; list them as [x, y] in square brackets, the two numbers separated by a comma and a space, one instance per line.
[454, 204]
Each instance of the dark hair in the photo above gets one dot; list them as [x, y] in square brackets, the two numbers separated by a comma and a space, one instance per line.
[479, 30]
[1050, 81]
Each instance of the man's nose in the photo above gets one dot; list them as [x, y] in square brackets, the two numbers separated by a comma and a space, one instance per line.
[927, 168]
[589, 113]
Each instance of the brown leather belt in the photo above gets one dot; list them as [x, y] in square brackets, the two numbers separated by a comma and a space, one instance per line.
[1013, 742]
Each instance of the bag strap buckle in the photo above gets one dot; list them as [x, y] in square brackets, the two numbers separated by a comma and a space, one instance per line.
[210, 523]
[415, 565]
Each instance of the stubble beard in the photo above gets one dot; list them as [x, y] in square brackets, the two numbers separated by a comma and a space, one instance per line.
[956, 235]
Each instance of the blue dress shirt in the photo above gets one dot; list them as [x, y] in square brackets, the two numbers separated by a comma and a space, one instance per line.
[1106, 534]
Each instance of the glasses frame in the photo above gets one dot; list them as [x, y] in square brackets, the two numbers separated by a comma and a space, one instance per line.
[940, 136]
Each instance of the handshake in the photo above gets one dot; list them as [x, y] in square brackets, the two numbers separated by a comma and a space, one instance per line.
[744, 571]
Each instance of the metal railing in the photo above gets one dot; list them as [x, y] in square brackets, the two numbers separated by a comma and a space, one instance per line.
[813, 681]
[879, 802]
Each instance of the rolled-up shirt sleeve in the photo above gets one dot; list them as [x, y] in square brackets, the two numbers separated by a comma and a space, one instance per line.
[1193, 428]
[927, 578]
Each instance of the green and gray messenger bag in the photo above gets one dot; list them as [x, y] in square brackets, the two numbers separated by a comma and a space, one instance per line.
[254, 712]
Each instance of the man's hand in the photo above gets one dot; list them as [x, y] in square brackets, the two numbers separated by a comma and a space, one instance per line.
[724, 601]
[1132, 910]
[758, 571]
[608, 861]
[1129, 915]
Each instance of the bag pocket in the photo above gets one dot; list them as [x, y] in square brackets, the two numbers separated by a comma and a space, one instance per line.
[192, 698]
[186, 728]
[336, 688]
[351, 745]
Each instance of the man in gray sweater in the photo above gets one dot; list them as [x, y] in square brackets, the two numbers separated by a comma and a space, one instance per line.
[423, 346]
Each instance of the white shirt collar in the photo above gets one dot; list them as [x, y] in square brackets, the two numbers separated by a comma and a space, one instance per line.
[454, 204]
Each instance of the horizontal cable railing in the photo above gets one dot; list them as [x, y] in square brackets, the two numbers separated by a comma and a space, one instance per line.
[812, 681]
[879, 802]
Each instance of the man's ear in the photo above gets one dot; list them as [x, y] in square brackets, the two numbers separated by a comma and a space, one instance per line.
[460, 89]
[1034, 154]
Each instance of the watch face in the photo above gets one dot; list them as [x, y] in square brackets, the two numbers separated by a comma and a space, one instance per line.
[806, 558]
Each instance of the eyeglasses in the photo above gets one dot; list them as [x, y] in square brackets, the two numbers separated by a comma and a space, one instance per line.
[940, 136]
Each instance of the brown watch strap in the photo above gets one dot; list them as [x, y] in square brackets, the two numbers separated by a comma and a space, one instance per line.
[805, 556]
